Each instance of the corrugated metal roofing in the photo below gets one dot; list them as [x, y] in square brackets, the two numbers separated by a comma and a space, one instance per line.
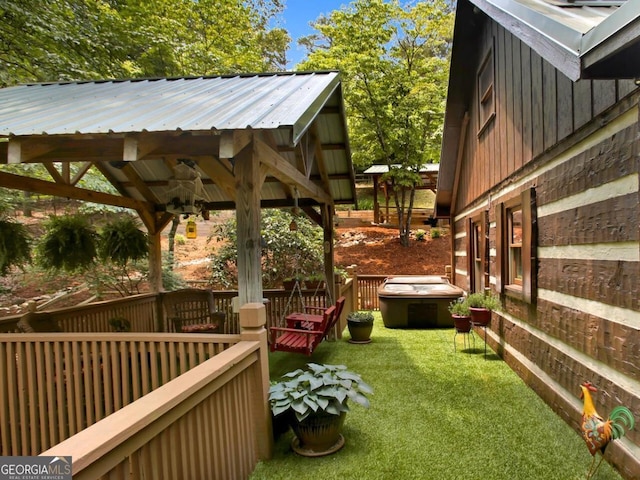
[565, 33]
[197, 110]
[187, 104]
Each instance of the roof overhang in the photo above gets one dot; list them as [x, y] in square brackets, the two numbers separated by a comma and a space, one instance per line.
[582, 40]
[596, 39]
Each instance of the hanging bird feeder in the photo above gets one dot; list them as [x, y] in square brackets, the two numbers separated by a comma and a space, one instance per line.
[192, 228]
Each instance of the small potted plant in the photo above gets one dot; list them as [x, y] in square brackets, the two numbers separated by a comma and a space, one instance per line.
[289, 283]
[360, 324]
[461, 315]
[481, 305]
[316, 402]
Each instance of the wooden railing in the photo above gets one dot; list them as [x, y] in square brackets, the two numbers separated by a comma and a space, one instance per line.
[54, 385]
[203, 424]
[145, 312]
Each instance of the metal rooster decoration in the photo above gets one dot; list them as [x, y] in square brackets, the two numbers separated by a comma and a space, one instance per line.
[598, 432]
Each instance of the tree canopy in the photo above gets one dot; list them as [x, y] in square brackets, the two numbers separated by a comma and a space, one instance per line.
[394, 59]
[97, 39]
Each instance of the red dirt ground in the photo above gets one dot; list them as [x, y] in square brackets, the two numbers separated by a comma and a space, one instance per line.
[375, 250]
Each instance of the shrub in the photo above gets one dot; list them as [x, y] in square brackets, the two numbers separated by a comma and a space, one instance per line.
[435, 233]
[420, 235]
[285, 253]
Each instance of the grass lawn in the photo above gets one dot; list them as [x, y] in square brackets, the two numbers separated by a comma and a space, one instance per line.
[435, 414]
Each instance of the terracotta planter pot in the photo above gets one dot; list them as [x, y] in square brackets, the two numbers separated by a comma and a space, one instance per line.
[360, 331]
[288, 284]
[318, 434]
[461, 324]
[480, 316]
[313, 284]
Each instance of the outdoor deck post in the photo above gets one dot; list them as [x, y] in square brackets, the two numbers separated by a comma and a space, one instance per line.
[249, 180]
[253, 318]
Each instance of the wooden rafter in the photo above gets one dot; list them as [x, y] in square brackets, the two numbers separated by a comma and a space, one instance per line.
[288, 174]
[9, 180]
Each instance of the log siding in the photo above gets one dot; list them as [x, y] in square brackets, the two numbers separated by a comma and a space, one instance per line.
[578, 145]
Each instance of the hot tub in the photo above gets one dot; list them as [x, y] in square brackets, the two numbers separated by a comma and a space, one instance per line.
[417, 301]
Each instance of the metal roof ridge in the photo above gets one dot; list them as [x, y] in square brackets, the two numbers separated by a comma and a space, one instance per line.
[624, 16]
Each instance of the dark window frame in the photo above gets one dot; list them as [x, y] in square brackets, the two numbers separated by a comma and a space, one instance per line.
[526, 289]
[478, 252]
[486, 90]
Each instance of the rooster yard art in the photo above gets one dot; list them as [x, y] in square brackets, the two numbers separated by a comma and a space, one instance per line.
[598, 432]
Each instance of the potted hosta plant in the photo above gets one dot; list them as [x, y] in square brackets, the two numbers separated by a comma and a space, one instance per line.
[360, 324]
[316, 402]
[461, 315]
[481, 305]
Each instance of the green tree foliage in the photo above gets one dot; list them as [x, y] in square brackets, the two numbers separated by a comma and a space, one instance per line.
[394, 60]
[95, 39]
[285, 253]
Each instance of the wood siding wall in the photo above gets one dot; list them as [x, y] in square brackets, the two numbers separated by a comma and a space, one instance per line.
[577, 144]
[537, 107]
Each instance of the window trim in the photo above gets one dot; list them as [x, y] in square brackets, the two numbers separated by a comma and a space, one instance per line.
[488, 94]
[527, 291]
[480, 224]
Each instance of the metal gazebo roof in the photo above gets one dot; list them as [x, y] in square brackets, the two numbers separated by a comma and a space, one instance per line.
[135, 132]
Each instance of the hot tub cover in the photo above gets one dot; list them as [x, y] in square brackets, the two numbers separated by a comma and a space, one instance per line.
[424, 286]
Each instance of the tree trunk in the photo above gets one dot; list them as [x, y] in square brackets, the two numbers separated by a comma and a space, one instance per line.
[26, 204]
[172, 238]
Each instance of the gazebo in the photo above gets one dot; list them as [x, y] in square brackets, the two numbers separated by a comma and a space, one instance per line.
[185, 145]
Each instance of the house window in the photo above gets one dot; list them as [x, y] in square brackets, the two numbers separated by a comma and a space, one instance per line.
[477, 254]
[514, 232]
[516, 241]
[486, 92]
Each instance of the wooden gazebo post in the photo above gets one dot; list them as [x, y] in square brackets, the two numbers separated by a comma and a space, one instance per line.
[249, 180]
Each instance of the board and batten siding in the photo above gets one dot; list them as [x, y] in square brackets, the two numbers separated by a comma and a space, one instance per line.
[578, 145]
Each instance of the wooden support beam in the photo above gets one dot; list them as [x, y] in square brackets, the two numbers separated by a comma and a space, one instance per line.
[220, 175]
[249, 181]
[17, 182]
[84, 168]
[233, 142]
[155, 262]
[326, 212]
[139, 183]
[288, 174]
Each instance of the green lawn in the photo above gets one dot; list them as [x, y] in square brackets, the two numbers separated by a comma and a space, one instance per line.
[435, 414]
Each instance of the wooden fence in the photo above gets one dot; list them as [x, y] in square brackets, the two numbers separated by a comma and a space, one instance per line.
[203, 424]
[52, 386]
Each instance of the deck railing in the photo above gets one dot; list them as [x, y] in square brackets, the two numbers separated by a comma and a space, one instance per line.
[54, 385]
[203, 424]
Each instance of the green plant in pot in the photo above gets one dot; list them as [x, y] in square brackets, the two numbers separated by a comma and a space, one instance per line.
[481, 305]
[461, 315]
[360, 324]
[314, 282]
[316, 402]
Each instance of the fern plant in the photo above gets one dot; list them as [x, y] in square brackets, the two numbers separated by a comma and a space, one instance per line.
[15, 246]
[121, 241]
[69, 244]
